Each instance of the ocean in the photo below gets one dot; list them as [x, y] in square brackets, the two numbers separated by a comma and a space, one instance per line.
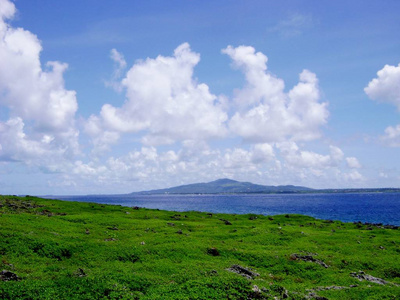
[347, 207]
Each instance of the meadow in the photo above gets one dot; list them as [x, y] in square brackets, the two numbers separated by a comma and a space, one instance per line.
[53, 249]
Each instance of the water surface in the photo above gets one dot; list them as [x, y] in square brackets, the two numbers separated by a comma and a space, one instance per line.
[347, 207]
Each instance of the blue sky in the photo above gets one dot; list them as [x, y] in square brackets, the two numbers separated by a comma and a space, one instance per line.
[121, 96]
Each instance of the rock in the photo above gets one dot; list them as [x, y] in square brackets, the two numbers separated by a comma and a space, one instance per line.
[80, 273]
[316, 297]
[46, 212]
[226, 222]
[256, 289]
[6, 275]
[308, 258]
[213, 251]
[245, 272]
[113, 228]
[176, 217]
[179, 231]
[213, 272]
[327, 288]
[360, 275]
[110, 240]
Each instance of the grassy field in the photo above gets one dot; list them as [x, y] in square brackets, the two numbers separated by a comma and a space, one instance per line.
[68, 250]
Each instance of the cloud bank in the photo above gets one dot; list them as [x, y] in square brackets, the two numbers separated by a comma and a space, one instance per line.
[174, 129]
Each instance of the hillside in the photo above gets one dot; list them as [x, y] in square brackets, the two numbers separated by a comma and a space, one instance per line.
[54, 249]
[227, 186]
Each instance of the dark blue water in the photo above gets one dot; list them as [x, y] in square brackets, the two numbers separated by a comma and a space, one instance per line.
[366, 207]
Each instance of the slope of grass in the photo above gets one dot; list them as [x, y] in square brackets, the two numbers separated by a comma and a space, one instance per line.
[72, 250]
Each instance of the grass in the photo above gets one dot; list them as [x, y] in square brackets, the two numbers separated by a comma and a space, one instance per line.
[72, 250]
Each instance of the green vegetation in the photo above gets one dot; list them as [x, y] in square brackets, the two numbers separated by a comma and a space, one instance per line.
[69, 250]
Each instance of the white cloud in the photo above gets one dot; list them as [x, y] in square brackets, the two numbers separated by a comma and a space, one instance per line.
[294, 25]
[267, 113]
[101, 139]
[386, 87]
[7, 11]
[354, 176]
[383, 175]
[196, 161]
[353, 162]
[14, 143]
[295, 157]
[41, 111]
[119, 59]
[165, 102]
[392, 136]
[119, 67]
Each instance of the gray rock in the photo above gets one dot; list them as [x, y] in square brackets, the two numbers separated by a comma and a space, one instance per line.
[6, 275]
[245, 272]
[308, 258]
[360, 275]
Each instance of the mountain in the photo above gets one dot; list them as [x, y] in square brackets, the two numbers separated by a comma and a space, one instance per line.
[227, 186]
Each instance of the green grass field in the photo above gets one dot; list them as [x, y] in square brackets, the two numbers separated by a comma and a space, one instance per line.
[70, 250]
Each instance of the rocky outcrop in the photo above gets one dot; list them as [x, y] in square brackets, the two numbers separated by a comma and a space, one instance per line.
[245, 272]
[308, 258]
[6, 275]
[360, 275]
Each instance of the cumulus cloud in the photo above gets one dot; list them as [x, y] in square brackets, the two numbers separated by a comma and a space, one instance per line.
[7, 10]
[386, 88]
[194, 161]
[354, 176]
[150, 167]
[34, 96]
[268, 114]
[392, 136]
[353, 162]
[296, 157]
[166, 102]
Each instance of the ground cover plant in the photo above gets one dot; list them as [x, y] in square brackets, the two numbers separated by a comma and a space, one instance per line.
[54, 249]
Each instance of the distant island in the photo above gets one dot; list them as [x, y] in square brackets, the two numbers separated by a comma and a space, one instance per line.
[229, 186]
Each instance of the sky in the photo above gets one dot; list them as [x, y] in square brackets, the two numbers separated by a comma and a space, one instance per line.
[116, 96]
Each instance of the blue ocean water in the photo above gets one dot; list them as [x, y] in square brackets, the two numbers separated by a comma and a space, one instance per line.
[347, 207]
